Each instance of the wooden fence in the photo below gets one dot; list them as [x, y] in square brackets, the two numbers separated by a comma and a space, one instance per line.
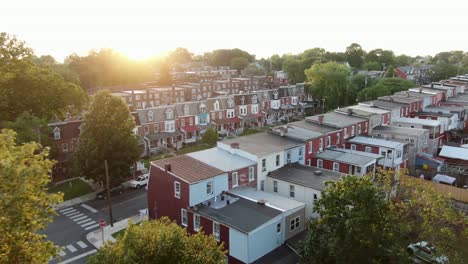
[455, 193]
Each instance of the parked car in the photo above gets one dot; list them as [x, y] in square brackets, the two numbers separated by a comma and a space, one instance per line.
[119, 189]
[424, 252]
[139, 182]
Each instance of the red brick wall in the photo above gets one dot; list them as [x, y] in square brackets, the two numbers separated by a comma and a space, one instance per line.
[362, 147]
[243, 177]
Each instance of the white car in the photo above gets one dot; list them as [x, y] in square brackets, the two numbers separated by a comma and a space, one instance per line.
[139, 182]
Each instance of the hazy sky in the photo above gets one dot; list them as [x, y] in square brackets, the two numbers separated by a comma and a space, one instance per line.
[144, 28]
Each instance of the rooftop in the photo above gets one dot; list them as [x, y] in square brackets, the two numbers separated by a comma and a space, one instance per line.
[314, 127]
[243, 215]
[419, 121]
[454, 152]
[221, 159]
[428, 113]
[272, 200]
[307, 176]
[337, 120]
[400, 99]
[426, 90]
[357, 158]
[295, 132]
[262, 144]
[444, 108]
[188, 169]
[375, 142]
[400, 130]
[371, 109]
[384, 104]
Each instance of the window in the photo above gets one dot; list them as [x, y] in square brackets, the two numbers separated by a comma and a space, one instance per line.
[242, 100]
[209, 188]
[170, 126]
[338, 135]
[184, 220]
[295, 222]
[56, 133]
[182, 122]
[137, 97]
[235, 179]
[191, 121]
[300, 153]
[169, 114]
[186, 110]
[202, 108]
[263, 164]
[220, 115]
[310, 146]
[156, 128]
[196, 222]
[358, 170]
[64, 147]
[278, 228]
[146, 130]
[352, 131]
[177, 189]
[243, 110]
[254, 99]
[328, 141]
[216, 105]
[321, 143]
[230, 102]
[368, 149]
[230, 113]
[292, 191]
[213, 115]
[150, 116]
[288, 157]
[315, 197]
[353, 147]
[398, 153]
[275, 186]
[277, 160]
[336, 166]
[319, 163]
[254, 109]
[262, 185]
[359, 129]
[251, 173]
[345, 132]
[216, 231]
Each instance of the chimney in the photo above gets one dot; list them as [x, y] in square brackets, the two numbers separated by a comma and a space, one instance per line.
[261, 202]
[235, 145]
[318, 172]
[420, 89]
[350, 111]
[167, 167]
[228, 201]
[320, 119]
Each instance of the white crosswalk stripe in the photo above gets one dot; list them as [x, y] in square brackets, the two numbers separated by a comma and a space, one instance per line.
[82, 244]
[71, 248]
[84, 221]
[68, 214]
[62, 253]
[80, 218]
[89, 223]
[76, 216]
[67, 209]
[89, 208]
[91, 227]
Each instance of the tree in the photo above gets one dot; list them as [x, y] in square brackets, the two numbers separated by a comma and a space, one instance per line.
[385, 86]
[361, 82]
[384, 57]
[107, 134]
[390, 73]
[403, 60]
[356, 225]
[210, 137]
[294, 67]
[180, 56]
[159, 242]
[30, 128]
[442, 71]
[330, 81]
[253, 70]
[223, 57]
[25, 205]
[165, 77]
[239, 63]
[354, 55]
[372, 66]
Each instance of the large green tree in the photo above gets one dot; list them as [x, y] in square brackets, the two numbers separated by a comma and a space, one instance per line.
[330, 81]
[29, 128]
[106, 135]
[385, 86]
[355, 55]
[442, 70]
[160, 242]
[355, 226]
[223, 57]
[239, 63]
[25, 205]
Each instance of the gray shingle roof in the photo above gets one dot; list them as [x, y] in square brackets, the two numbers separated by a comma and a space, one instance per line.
[354, 158]
[305, 175]
[337, 119]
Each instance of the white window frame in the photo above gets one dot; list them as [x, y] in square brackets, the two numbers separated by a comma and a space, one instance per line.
[209, 188]
[150, 116]
[295, 223]
[230, 113]
[217, 233]
[182, 122]
[216, 105]
[186, 110]
[292, 191]
[321, 143]
[169, 114]
[310, 146]
[320, 163]
[243, 110]
[359, 128]
[65, 147]
[338, 136]
[278, 160]
[353, 146]
[177, 192]
[352, 131]
[328, 141]
[345, 132]
[369, 149]
[57, 133]
[275, 186]
[251, 173]
[254, 109]
[235, 179]
[336, 164]
[183, 213]
[146, 128]
[196, 225]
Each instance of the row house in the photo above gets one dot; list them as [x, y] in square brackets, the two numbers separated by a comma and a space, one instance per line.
[64, 138]
[395, 153]
[460, 86]
[448, 121]
[151, 97]
[210, 191]
[396, 109]
[459, 112]
[352, 162]
[438, 95]
[301, 183]
[428, 98]
[450, 90]
[376, 116]
[416, 138]
[412, 103]
[268, 150]
[349, 124]
[436, 134]
[249, 109]
[186, 114]
[224, 115]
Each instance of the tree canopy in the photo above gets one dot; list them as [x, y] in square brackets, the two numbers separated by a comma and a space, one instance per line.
[384, 86]
[25, 205]
[355, 55]
[107, 134]
[223, 57]
[210, 137]
[160, 242]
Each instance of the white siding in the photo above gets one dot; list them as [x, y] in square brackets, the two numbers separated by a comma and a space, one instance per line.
[198, 190]
[238, 245]
[264, 240]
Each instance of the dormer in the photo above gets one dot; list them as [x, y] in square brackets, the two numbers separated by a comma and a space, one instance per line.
[57, 133]
[186, 110]
[169, 114]
[254, 99]
[202, 108]
[216, 105]
[150, 115]
[230, 102]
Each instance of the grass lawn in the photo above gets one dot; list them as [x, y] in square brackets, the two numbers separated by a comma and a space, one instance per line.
[194, 148]
[146, 161]
[119, 233]
[72, 189]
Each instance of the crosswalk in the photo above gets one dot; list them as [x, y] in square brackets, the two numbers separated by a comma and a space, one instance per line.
[73, 249]
[79, 218]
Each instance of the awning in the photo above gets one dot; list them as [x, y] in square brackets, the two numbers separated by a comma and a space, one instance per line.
[191, 128]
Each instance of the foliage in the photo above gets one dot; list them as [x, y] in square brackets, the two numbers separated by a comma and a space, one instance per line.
[295, 69]
[71, 189]
[239, 63]
[222, 57]
[390, 72]
[254, 70]
[385, 86]
[160, 241]
[354, 55]
[29, 128]
[442, 71]
[106, 135]
[355, 225]
[372, 66]
[403, 60]
[361, 82]
[383, 57]
[27, 87]
[165, 77]
[210, 137]
[25, 205]
[330, 81]
[180, 56]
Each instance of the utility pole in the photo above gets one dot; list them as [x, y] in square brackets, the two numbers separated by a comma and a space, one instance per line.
[108, 194]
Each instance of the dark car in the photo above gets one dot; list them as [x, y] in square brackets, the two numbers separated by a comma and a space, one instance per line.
[119, 189]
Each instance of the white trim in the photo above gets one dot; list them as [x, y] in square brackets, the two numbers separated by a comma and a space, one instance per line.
[177, 193]
[182, 211]
[196, 227]
[217, 235]
[236, 175]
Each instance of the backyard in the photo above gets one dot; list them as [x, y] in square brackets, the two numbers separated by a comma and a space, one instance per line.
[72, 189]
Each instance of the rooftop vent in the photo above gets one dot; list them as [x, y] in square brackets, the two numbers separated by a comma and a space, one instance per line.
[320, 119]
[261, 202]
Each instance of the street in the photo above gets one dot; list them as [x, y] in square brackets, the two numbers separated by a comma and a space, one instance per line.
[72, 224]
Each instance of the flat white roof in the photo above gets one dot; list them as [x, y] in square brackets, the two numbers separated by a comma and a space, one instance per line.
[375, 142]
[272, 200]
[369, 109]
[444, 178]
[454, 152]
[424, 122]
[221, 159]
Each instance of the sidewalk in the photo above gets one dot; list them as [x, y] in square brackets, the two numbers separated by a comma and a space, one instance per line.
[77, 200]
[95, 237]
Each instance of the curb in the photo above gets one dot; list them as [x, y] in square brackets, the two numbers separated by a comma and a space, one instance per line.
[77, 200]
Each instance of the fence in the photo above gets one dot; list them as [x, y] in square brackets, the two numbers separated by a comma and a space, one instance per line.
[455, 193]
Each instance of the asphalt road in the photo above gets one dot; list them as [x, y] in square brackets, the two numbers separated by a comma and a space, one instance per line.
[72, 224]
